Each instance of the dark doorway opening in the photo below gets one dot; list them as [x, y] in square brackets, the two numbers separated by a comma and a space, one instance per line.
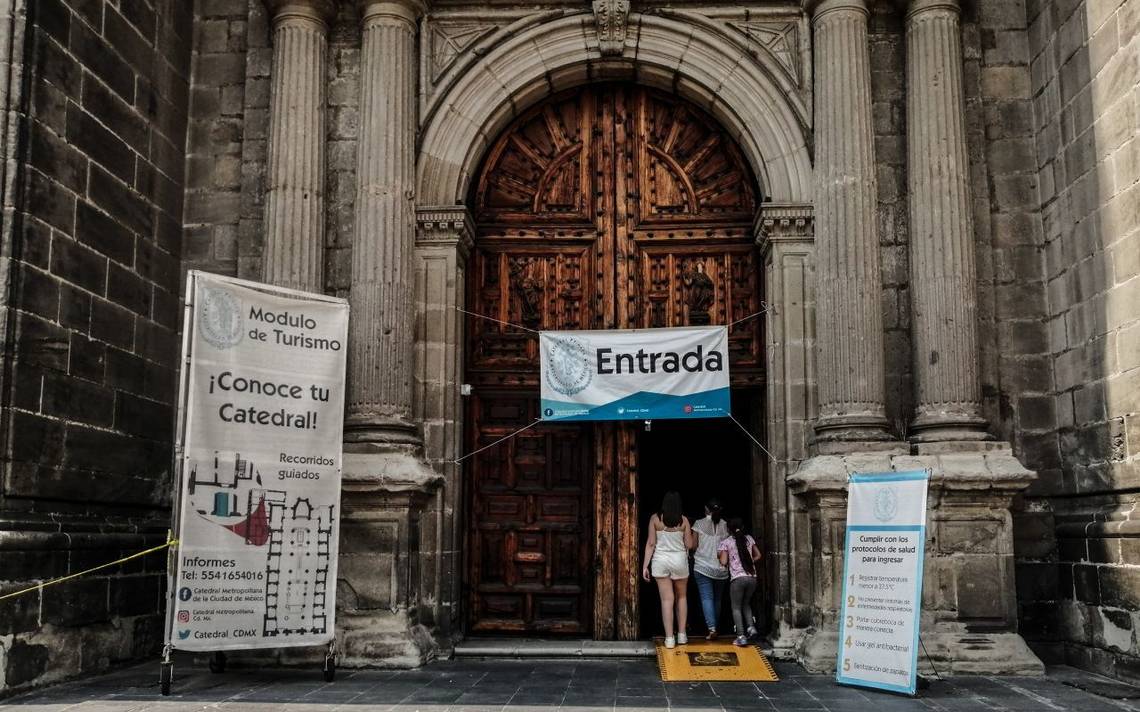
[699, 459]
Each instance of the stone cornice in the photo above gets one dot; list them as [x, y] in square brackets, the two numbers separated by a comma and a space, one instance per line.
[784, 222]
[445, 225]
[321, 11]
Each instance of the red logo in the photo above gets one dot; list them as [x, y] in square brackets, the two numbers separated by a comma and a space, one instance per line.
[183, 616]
[688, 409]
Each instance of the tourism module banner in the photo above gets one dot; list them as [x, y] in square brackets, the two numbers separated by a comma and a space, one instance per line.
[635, 374]
[882, 580]
[257, 497]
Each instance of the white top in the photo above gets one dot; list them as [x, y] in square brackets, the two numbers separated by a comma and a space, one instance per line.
[709, 535]
[670, 541]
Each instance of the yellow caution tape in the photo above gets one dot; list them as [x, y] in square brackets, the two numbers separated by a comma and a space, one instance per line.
[52, 582]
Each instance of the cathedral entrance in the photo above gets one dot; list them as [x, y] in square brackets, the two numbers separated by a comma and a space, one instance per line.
[611, 206]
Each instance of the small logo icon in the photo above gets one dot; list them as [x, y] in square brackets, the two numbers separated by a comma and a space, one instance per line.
[183, 616]
[548, 412]
[886, 503]
[185, 594]
[184, 634]
[568, 365]
[621, 411]
[688, 408]
[219, 318]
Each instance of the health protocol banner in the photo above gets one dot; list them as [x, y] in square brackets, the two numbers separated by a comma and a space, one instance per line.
[257, 498]
[882, 580]
[635, 374]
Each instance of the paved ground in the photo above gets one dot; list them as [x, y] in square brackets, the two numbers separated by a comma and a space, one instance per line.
[514, 686]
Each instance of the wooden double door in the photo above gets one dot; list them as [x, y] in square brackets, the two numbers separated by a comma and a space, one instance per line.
[612, 206]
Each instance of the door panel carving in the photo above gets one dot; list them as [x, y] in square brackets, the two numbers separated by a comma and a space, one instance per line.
[612, 206]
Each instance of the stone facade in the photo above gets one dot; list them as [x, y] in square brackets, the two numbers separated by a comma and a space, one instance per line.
[960, 202]
[94, 129]
[1080, 594]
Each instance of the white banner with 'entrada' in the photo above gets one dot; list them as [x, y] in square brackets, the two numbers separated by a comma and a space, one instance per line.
[635, 374]
[257, 498]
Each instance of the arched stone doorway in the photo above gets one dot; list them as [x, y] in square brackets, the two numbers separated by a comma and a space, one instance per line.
[607, 206]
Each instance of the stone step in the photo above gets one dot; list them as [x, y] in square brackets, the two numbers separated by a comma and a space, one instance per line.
[538, 648]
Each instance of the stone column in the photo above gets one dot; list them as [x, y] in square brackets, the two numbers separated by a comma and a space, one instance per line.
[381, 343]
[391, 533]
[295, 182]
[849, 317]
[942, 268]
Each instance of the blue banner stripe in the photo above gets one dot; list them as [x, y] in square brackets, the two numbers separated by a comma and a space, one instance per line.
[890, 476]
[644, 405]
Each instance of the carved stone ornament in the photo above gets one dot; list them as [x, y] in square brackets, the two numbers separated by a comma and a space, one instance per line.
[611, 18]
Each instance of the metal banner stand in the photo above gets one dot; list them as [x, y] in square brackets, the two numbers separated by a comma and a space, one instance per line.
[217, 661]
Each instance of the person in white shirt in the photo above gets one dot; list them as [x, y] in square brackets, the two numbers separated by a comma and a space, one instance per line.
[711, 576]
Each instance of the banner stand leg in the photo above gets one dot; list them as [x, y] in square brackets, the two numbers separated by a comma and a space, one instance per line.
[165, 671]
[330, 662]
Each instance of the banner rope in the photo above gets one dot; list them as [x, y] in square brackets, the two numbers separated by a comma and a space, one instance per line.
[750, 316]
[497, 321]
[764, 449]
[505, 437]
[44, 584]
[535, 331]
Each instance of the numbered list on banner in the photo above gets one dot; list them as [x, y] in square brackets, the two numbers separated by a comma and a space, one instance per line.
[259, 492]
[882, 580]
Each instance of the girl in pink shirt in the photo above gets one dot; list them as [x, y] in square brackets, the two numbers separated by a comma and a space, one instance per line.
[739, 553]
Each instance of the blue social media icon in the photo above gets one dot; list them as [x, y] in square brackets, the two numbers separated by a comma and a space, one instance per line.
[183, 634]
[184, 594]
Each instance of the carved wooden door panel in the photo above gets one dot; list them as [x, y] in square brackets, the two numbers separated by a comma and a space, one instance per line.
[612, 206]
[529, 520]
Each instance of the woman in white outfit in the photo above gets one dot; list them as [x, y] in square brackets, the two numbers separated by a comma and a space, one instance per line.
[667, 559]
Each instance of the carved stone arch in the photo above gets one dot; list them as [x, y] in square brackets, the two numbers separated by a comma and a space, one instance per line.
[693, 59]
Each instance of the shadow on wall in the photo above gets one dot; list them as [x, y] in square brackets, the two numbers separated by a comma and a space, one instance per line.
[1081, 600]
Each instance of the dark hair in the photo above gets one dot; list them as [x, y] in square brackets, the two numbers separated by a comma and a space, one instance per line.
[714, 506]
[736, 529]
[671, 509]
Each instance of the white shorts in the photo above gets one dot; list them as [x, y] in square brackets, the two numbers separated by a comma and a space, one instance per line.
[674, 565]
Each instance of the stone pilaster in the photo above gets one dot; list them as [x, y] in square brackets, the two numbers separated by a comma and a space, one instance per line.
[942, 272]
[784, 233]
[444, 238]
[849, 336]
[381, 343]
[295, 182]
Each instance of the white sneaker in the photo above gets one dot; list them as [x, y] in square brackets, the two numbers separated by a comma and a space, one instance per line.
[670, 642]
[682, 639]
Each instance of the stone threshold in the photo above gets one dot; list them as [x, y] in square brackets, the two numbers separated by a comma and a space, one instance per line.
[539, 648]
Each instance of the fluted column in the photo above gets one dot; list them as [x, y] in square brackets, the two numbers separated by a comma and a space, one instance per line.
[295, 182]
[849, 292]
[942, 272]
[381, 344]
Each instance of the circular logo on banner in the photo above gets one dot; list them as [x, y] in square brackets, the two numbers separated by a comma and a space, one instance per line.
[219, 317]
[886, 503]
[568, 362]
